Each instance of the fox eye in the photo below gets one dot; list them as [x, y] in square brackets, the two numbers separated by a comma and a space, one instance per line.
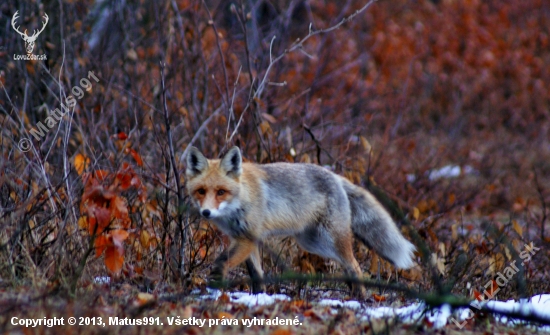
[221, 192]
[201, 191]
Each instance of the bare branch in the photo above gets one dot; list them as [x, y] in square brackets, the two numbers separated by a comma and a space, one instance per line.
[298, 45]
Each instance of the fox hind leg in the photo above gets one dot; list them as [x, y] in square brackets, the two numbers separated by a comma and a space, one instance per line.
[335, 244]
[344, 249]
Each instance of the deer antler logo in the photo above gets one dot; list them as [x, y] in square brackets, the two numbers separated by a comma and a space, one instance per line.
[29, 40]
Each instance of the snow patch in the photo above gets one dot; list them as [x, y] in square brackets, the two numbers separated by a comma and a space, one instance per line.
[440, 316]
[408, 314]
[102, 280]
[212, 294]
[352, 304]
[538, 305]
[256, 299]
[446, 172]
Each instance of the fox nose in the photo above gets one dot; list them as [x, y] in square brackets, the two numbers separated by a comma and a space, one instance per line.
[206, 213]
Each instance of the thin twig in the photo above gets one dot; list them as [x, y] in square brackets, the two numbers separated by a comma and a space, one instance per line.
[211, 21]
[231, 110]
[169, 131]
[300, 43]
[295, 46]
[198, 133]
[543, 203]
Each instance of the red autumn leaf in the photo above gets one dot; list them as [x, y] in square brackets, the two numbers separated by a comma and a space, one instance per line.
[101, 174]
[202, 251]
[87, 179]
[313, 314]
[101, 243]
[125, 181]
[124, 176]
[121, 136]
[119, 209]
[478, 295]
[114, 258]
[100, 217]
[483, 248]
[135, 155]
[224, 298]
[299, 303]
[378, 298]
[98, 196]
[144, 298]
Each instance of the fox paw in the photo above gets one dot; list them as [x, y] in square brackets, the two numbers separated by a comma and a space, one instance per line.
[215, 279]
[358, 292]
[258, 287]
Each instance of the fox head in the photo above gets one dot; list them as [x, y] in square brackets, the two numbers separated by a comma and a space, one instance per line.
[214, 184]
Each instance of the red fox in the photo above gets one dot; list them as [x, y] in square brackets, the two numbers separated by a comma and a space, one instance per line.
[322, 210]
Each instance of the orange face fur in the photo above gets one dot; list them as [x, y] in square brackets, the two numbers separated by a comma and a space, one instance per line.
[208, 197]
[213, 187]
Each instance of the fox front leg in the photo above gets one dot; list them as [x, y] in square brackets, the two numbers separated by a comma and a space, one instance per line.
[238, 252]
[254, 266]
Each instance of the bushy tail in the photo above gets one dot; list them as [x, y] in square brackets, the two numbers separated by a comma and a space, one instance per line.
[373, 226]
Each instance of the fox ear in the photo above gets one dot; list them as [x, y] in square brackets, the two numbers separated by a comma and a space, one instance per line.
[196, 163]
[232, 162]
